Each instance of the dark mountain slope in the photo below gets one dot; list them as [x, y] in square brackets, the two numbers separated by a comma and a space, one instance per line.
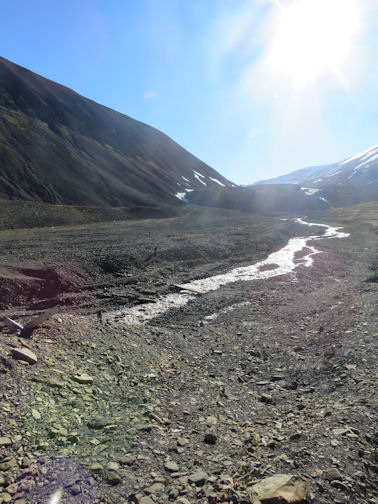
[270, 198]
[59, 147]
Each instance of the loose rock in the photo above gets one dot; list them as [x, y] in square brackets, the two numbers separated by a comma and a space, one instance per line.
[24, 354]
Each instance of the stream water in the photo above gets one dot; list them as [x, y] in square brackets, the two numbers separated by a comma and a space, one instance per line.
[282, 262]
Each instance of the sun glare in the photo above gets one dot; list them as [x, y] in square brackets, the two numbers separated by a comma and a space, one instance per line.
[312, 38]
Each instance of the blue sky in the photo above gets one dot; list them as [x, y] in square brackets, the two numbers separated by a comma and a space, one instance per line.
[255, 88]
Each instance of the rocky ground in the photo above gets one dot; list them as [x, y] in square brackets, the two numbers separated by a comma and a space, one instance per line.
[255, 379]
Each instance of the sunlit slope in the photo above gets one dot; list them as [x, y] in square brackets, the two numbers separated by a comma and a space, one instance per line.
[59, 147]
[351, 181]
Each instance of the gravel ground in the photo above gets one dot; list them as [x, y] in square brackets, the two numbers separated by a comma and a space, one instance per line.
[191, 407]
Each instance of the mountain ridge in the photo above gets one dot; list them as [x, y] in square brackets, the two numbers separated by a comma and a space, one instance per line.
[59, 147]
[365, 160]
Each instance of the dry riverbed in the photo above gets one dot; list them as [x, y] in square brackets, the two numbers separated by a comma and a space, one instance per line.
[258, 377]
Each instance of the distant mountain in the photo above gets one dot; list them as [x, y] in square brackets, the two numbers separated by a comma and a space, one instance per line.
[353, 180]
[59, 147]
[269, 198]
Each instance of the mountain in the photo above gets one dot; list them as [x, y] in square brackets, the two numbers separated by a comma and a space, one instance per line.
[269, 198]
[353, 180]
[61, 148]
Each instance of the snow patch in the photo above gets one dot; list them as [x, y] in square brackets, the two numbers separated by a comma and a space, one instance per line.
[362, 155]
[217, 181]
[181, 196]
[199, 179]
[199, 174]
[309, 191]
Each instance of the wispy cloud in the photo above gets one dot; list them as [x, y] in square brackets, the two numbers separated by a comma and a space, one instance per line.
[150, 94]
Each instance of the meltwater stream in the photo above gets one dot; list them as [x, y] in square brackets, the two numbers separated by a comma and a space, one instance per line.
[278, 263]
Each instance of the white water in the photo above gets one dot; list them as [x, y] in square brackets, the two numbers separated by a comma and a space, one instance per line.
[282, 262]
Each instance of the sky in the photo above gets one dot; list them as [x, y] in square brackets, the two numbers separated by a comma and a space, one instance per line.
[254, 88]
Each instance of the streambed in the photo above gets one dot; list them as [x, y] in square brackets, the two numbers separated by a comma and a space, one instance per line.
[296, 253]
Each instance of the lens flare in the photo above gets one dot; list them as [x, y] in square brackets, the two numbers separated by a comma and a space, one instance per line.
[56, 497]
[311, 38]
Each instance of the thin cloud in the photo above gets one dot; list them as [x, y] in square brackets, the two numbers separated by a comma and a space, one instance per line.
[150, 94]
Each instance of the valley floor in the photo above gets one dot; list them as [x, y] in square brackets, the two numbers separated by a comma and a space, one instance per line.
[190, 407]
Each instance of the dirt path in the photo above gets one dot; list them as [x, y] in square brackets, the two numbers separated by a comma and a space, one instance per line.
[193, 407]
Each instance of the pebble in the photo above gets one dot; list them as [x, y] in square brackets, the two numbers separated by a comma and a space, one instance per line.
[112, 466]
[155, 488]
[5, 441]
[99, 422]
[36, 414]
[171, 466]
[198, 478]
[113, 478]
[333, 474]
[24, 354]
[96, 467]
[75, 490]
[210, 438]
[146, 500]
[83, 378]
[266, 398]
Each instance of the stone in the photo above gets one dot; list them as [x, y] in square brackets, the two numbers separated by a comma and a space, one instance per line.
[75, 490]
[155, 488]
[29, 472]
[8, 464]
[5, 497]
[266, 398]
[96, 467]
[333, 474]
[99, 422]
[5, 441]
[340, 485]
[340, 430]
[280, 487]
[112, 466]
[113, 478]
[12, 489]
[26, 462]
[83, 378]
[128, 460]
[210, 438]
[36, 414]
[171, 466]
[199, 478]
[24, 354]
[146, 500]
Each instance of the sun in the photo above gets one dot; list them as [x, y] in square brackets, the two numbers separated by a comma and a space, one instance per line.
[311, 38]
